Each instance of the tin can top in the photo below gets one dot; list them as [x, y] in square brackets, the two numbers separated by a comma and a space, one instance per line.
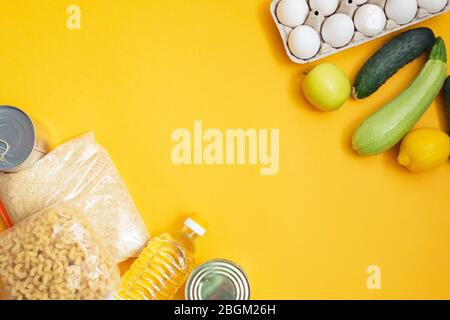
[218, 280]
[17, 137]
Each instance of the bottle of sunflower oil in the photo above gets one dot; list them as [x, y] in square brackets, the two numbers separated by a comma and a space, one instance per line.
[164, 265]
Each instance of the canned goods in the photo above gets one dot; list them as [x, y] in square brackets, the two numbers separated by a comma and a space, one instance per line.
[22, 141]
[218, 280]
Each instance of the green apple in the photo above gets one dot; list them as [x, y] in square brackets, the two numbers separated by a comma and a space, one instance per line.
[326, 87]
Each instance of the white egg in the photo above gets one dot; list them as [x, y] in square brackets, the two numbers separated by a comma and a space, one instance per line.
[432, 6]
[304, 42]
[338, 30]
[326, 7]
[292, 13]
[359, 2]
[370, 20]
[401, 11]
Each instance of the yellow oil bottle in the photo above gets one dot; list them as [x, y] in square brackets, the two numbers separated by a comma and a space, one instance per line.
[164, 265]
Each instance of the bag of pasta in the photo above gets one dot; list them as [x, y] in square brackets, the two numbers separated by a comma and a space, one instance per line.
[80, 171]
[53, 255]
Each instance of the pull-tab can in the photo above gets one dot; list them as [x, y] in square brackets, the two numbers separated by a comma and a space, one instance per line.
[218, 279]
[22, 140]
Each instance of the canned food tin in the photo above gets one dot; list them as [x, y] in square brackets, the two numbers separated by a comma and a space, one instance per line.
[22, 141]
[218, 280]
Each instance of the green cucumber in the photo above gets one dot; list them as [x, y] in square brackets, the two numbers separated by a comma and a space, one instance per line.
[447, 100]
[390, 58]
[386, 127]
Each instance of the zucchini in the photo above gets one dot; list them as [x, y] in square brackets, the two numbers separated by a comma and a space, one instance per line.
[386, 127]
[390, 58]
[447, 100]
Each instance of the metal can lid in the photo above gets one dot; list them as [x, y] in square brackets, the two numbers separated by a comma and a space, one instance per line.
[218, 280]
[17, 137]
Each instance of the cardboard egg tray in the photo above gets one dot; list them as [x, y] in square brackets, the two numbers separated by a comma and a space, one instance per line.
[348, 7]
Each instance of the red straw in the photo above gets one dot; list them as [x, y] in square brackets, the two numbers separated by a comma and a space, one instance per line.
[5, 216]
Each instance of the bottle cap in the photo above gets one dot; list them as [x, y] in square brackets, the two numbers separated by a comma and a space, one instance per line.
[196, 224]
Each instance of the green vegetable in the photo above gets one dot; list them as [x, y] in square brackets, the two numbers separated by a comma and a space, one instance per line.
[390, 58]
[447, 100]
[386, 127]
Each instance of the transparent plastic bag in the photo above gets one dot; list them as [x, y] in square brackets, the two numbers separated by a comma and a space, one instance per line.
[53, 255]
[82, 172]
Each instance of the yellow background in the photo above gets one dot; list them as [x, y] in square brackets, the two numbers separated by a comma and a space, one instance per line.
[138, 69]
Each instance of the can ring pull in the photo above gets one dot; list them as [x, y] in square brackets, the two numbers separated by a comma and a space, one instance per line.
[2, 155]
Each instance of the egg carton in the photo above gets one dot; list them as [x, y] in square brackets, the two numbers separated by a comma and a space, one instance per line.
[315, 19]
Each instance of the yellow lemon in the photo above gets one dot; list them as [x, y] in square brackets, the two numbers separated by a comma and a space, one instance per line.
[424, 149]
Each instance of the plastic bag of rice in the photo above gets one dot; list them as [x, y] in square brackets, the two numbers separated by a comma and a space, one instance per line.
[82, 172]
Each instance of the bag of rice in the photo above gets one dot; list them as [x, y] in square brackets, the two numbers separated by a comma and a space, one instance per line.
[53, 255]
[82, 172]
